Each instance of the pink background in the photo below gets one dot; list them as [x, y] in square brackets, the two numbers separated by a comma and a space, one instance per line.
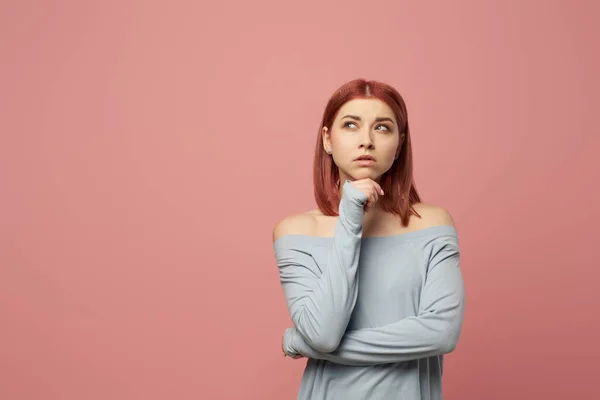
[147, 148]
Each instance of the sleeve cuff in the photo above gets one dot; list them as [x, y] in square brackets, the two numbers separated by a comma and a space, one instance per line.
[288, 342]
[357, 197]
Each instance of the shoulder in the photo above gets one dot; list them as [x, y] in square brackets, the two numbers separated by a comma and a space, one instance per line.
[301, 223]
[433, 215]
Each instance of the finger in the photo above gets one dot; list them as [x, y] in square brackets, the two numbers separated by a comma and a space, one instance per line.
[369, 202]
[378, 188]
[372, 187]
[374, 197]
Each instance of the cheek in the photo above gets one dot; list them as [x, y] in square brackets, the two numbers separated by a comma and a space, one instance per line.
[342, 141]
[389, 147]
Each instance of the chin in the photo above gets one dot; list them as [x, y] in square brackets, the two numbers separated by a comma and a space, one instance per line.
[364, 173]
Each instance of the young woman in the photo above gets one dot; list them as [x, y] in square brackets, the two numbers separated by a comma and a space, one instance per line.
[372, 277]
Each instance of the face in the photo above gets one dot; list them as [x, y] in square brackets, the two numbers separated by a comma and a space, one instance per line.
[363, 127]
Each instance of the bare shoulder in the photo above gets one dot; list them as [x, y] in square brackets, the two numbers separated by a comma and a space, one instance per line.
[433, 215]
[295, 224]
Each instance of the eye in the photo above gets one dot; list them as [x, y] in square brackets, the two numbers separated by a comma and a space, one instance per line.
[348, 123]
[387, 128]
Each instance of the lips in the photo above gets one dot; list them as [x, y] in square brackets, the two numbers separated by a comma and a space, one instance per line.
[365, 158]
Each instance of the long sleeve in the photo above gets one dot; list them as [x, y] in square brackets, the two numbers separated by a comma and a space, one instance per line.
[433, 331]
[321, 298]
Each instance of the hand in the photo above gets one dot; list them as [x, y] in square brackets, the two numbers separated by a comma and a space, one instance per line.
[285, 354]
[371, 189]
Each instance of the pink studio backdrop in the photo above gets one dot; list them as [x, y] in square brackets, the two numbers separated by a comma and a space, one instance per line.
[147, 148]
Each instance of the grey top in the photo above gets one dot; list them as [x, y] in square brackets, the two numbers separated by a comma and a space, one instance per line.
[374, 315]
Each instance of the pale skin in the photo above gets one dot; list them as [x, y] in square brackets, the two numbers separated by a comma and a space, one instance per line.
[363, 127]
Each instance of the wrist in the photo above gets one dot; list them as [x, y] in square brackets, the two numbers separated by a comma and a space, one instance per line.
[288, 342]
[352, 207]
[353, 194]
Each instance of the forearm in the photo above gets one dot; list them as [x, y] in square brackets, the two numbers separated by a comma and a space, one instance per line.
[433, 331]
[321, 306]
[409, 339]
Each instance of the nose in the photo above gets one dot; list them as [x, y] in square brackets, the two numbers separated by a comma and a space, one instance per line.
[366, 141]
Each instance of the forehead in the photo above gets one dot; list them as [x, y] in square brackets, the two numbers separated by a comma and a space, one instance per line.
[366, 108]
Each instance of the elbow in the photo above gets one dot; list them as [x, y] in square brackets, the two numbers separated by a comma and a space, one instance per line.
[447, 343]
[325, 343]
[449, 335]
[323, 340]
[323, 336]
[447, 347]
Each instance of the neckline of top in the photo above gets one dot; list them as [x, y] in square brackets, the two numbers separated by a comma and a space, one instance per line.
[404, 236]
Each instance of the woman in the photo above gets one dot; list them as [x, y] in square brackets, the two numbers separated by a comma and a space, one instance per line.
[372, 277]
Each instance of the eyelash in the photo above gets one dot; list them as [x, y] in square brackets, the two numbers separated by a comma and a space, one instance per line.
[385, 126]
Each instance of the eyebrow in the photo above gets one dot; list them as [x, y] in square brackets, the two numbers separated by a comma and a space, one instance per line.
[380, 119]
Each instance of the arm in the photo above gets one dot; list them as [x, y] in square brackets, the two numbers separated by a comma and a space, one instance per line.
[434, 331]
[321, 298]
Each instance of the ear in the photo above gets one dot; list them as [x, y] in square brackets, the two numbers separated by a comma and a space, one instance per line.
[402, 136]
[326, 138]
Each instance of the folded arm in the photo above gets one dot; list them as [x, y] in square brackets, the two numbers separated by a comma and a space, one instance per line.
[321, 298]
[433, 331]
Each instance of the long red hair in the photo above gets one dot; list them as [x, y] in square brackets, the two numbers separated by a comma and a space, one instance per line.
[397, 183]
